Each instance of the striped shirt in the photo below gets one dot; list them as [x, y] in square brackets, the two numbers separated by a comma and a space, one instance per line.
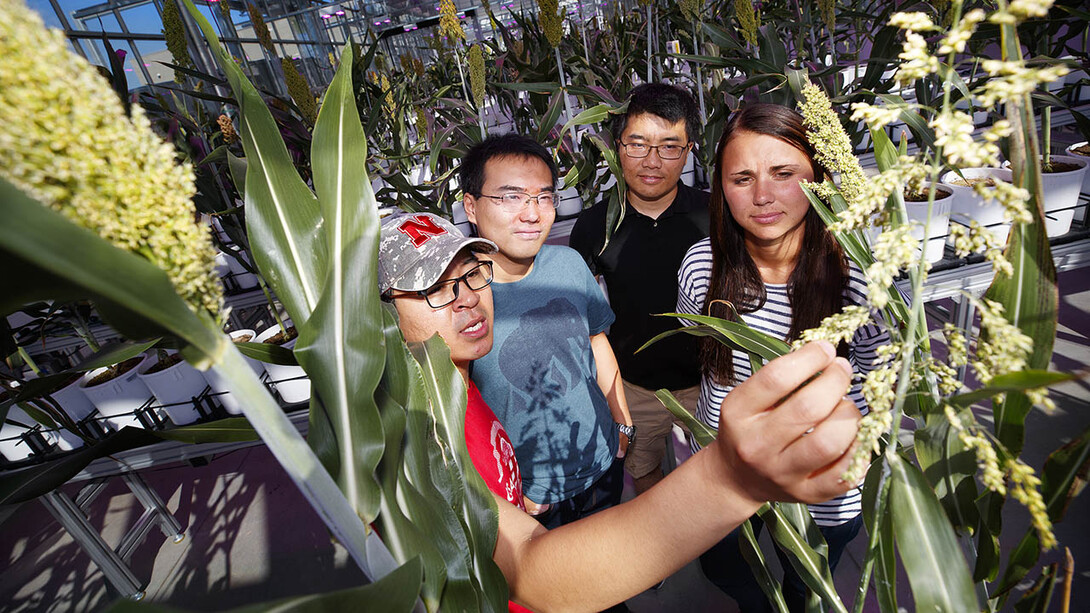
[774, 318]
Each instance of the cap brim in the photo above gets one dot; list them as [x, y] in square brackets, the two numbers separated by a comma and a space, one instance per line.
[408, 284]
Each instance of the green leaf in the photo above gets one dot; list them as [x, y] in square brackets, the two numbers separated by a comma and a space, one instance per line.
[1022, 560]
[751, 551]
[929, 550]
[950, 468]
[108, 274]
[446, 392]
[617, 194]
[750, 340]
[1030, 296]
[1011, 382]
[548, 121]
[28, 483]
[1064, 475]
[339, 346]
[1038, 597]
[702, 433]
[925, 136]
[114, 354]
[268, 353]
[230, 430]
[282, 214]
[811, 566]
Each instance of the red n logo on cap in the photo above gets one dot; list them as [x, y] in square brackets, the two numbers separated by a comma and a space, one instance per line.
[420, 229]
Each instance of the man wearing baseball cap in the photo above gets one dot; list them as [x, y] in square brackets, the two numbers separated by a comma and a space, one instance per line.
[789, 438]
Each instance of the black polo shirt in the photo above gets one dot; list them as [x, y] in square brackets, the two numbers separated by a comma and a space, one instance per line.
[640, 269]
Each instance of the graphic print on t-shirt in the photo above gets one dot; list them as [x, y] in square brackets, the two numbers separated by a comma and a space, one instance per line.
[506, 465]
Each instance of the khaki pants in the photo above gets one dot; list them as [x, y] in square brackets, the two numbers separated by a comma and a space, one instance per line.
[653, 424]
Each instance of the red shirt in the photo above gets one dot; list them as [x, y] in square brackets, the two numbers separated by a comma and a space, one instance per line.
[493, 456]
[491, 450]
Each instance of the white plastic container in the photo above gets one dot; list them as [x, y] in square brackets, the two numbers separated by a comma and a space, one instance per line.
[570, 202]
[117, 399]
[174, 387]
[220, 385]
[1061, 193]
[969, 206]
[286, 379]
[1080, 212]
[939, 225]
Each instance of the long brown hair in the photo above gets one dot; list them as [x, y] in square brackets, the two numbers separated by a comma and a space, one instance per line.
[820, 274]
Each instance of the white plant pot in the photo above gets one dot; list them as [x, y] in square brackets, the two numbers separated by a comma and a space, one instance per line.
[65, 440]
[73, 402]
[117, 399]
[1080, 212]
[938, 227]
[570, 202]
[968, 205]
[12, 445]
[286, 379]
[174, 388]
[220, 385]
[1061, 194]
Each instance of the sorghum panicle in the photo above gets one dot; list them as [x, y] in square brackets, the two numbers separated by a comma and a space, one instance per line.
[65, 140]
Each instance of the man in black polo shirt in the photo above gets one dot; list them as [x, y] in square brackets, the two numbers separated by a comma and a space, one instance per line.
[662, 219]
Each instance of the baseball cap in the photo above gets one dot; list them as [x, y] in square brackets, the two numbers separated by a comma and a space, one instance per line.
[415, 249]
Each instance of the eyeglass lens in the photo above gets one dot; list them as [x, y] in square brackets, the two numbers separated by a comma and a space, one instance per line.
[476, 279]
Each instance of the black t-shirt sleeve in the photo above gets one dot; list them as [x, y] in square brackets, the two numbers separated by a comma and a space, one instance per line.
[586, 237]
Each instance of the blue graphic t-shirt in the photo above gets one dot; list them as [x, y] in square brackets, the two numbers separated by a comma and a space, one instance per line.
[541, 380]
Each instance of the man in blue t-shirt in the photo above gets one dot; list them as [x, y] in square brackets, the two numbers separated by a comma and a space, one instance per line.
[552, 378]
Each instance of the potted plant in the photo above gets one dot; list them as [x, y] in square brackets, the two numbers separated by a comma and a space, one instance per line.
[934, 217]
[222, 386]
[290, 381]
[969, 205]
[117, 392]
[175, 384]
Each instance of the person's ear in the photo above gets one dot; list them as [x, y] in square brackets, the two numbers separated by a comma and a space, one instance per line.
[470, 205]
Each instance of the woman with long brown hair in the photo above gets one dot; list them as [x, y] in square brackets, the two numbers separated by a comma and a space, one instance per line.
[771, 262]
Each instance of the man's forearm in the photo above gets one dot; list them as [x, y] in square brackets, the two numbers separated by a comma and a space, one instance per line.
[609, 378]
[591, 564]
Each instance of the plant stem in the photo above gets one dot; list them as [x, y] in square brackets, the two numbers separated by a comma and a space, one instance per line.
[872, 540]
[649, 77]
[564, 92]
[699, 74]
[272, 305]
[1046, 132]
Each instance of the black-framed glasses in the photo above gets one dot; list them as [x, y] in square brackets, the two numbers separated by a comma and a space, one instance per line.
[666, 152]
[514, 202]
[445, 292]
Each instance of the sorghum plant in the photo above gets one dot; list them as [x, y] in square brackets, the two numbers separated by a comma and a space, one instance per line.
[919, 496]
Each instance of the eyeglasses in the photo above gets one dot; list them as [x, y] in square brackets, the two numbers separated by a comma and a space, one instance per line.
[514, 202]
[445, 292]
[666, 152]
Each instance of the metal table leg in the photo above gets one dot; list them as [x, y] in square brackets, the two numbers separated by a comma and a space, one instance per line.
[75, 522]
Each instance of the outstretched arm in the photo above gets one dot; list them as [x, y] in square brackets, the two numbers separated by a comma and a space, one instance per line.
[765, 451]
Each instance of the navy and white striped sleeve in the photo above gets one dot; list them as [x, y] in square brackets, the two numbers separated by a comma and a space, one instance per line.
[693, 278]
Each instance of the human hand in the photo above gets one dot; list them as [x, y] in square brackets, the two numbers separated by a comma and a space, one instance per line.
[786, 433]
